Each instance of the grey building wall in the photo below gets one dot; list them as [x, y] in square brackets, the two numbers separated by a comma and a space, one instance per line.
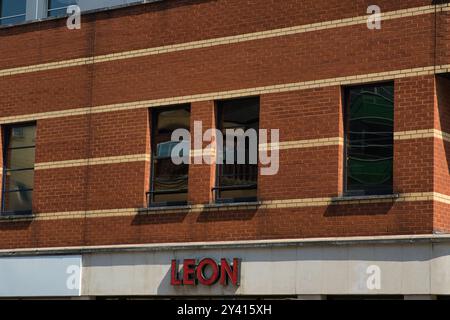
[412, 266]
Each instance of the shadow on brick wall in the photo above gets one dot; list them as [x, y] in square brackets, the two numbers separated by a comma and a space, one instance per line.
[443, 105]
[15, 225]
[238, 215]
[160, 218]
[357, 209]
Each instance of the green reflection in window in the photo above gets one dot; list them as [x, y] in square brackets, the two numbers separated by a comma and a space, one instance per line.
[369, 139]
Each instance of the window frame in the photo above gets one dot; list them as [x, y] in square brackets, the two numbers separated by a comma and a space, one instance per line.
[346, 114]
[217, 189]
[6, 130]
[153, 147]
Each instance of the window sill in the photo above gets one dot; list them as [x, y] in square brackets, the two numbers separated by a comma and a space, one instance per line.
[344, 198]
[163, 209]
[200, 207]
[240, 204]
[8, 217]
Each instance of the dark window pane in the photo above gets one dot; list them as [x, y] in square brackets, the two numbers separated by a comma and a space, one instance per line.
[19, 173]
[18, 201]
[19, 180]
[57, 8]
[236, 180]
[169, 176]
[238, 174]
[170, 181]
[370, 121]
[21, 158]
[179, 197]
[242, 113]
[168, 121]
[238, 194]
[12, 11]
[22, 137]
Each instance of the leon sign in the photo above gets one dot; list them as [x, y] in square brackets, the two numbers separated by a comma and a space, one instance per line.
[206, 272]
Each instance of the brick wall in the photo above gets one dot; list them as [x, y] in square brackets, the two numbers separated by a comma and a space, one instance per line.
[171, 22]
[201, 175]
[92, 155]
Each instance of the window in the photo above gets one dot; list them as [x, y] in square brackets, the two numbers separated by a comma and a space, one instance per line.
[57, 8]
[18, 169]
[237, 181]
[12, 11]
[369, 139]
[169, 181]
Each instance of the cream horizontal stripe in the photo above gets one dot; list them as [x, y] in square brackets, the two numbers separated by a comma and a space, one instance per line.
[272, 204]
[420, 134]
[92, 161]
[295, 144]
[442, 198]
[355, 79]
[299, 144]
[223, 40]
[194, 153]
[266, 34]
[286, 145]
[416, 134]
[47, 66]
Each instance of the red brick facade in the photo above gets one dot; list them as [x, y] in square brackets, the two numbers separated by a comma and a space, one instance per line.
[422, 102]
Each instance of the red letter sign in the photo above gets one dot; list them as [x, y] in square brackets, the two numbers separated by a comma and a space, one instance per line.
[227, 272]
[201, 275]
[174, 274]
[189, 272]
[193, 272]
